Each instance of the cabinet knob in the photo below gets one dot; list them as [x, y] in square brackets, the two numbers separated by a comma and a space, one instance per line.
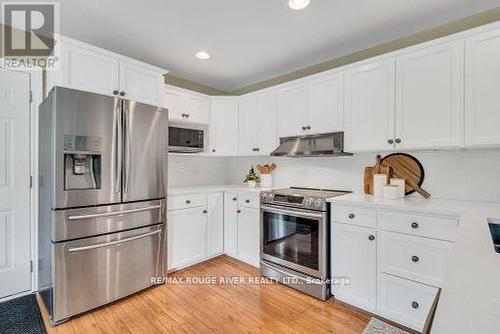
[304, 128]
[235, 199]
[188, 202]
[213, 150]
[398, 140]
[205, 211]
[187, 115]
[255, 149]
[415, 258]
[414, 305]
[247, 201]
[122, 93]
[308, 127]
[183, 115]
[351, 216]
[371, 237]
[414, 225]
[390, 141]
[238, 211]
[115, 92]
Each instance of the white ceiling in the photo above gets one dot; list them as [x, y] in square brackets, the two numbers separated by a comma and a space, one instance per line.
[250, 40]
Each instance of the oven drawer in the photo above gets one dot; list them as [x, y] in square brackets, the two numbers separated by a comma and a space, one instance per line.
[404, 301]
[354, 216]
[85, 222]
[186, 201]
[418, 225]
[95, 271]
[419, 259]
[249, 200]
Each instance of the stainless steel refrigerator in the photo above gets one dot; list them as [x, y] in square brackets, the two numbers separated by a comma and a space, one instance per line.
[102, 199]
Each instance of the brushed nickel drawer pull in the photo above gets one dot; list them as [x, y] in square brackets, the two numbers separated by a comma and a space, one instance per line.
[107, 244]
[114, 213]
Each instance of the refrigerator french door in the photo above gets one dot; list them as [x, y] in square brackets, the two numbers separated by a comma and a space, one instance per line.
[102, 206]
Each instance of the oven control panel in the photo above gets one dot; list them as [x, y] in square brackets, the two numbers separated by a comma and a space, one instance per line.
[305, 202]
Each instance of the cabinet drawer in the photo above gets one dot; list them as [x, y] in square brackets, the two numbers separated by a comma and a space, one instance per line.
[354, 216]
[419, 225]
[249, 201]
[186, 201]
[420, 259]
[404, 301]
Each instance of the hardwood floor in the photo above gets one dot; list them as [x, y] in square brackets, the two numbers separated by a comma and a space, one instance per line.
[218, 308]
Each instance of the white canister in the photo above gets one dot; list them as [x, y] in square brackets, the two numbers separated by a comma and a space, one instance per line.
[379, 181]
[400, 183]
[391, 192]
[266, 180]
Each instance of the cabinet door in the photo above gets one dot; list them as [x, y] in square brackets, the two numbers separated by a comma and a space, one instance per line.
[248, 236]
[175, 102]
[215, 224]
[224, 127]
[198, 109]
[482, 87]
[247, 125]
[429, 97]
[187, 237]
[230, 224]
[141, 83]
[292, 110]
[326, 104]
[354, 257]
[369, 107]
[267, 109]
[88, 70]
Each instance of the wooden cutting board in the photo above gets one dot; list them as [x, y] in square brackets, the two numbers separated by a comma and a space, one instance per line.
[406, 167]
[370, 171]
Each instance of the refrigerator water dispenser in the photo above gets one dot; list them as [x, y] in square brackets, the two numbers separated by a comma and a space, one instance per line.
[82, 163]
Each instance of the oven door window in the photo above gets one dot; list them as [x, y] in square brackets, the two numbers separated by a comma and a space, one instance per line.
[292, 239]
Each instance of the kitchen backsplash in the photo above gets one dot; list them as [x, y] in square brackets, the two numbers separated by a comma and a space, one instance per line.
[465, 175]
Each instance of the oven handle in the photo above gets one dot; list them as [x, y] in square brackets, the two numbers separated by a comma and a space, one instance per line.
[107, 244]
[291, 211]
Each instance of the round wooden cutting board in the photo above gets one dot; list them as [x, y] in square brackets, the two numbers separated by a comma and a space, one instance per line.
[406, 167]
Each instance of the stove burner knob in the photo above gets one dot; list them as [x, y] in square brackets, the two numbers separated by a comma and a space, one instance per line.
[317, 203]
[308, 202]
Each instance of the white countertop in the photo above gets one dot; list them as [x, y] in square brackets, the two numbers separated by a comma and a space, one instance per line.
[237, 188]
[470, 298]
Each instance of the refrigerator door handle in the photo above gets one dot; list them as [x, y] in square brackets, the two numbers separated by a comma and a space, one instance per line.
[118, 147]
[107, 244]
[115, 213]
[126, 139]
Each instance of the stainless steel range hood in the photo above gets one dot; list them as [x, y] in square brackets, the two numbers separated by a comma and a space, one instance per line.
[322, 145]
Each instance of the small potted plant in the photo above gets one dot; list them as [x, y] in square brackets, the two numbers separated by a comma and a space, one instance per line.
[251, 179]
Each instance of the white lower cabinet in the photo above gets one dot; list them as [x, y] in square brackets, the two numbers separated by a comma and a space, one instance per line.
[395, 260]
[230, 224]
[248, 235]
[354, 257]
[215, 224]
[187, 237]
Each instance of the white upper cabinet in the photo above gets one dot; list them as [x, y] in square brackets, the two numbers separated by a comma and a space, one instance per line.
[326, 104]
[186, 106]
[224, 126]
[88, 68]
[369, 107]
[257, 123]
[482, 89]
[139, 83]
[292, 109]
[429, 97]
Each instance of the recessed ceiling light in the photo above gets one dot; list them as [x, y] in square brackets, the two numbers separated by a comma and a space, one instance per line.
[203, 55]
[298, 4]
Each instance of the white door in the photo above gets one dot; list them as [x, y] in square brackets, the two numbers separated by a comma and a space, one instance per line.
[267, 109]
[354, 256]
[248, 235]
[247, 125]
[326, 104]
[292, 110]
[141, 84]
[230, 224]
[224, 127]
[215, 224]
[482, 89]
[175, 102]
[15, 274]
[429, 97]
[187, 237]
[88, 70]
[198, 109]
[369, 107]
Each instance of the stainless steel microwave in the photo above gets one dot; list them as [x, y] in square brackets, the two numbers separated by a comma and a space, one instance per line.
[185, 140]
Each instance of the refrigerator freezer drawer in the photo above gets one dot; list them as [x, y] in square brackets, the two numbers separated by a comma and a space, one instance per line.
[95, 271]
[86, 222]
